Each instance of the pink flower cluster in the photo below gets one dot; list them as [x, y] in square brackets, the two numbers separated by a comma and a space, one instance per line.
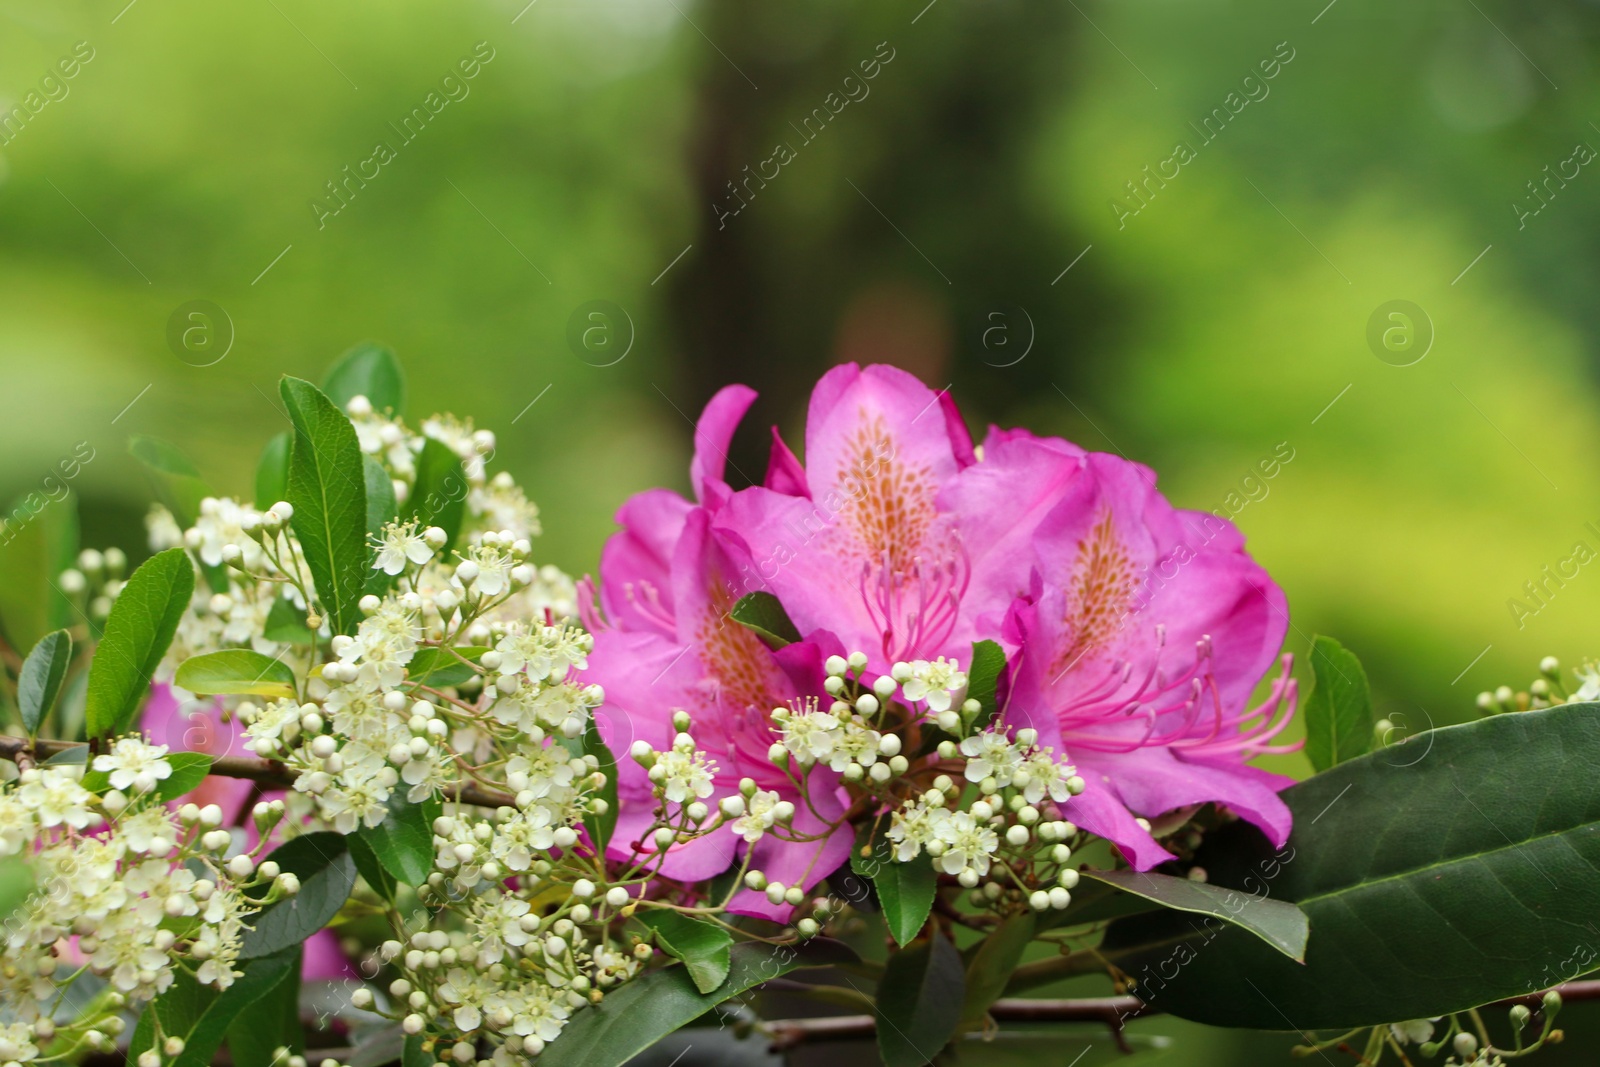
[1135, 632]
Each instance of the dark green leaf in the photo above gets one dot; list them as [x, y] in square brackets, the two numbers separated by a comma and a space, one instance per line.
[991, 967]
[189, 769]
[143, 619]
[40, 680]
[177, 479]
[441, 667]
[1277, 922]
[403, 842]
[322, 863]
[273, 1022]
[261, 976]
[180, 1008]
[983, 680]
[439, 497]
[367, 865]
[601, 826]
[380, 1047]
[381, 509]
[370, 370]
[272, 471]
[327, 486]
[905, 890]
[414, 1054]
[1455, 869]
[1339, 711]
[658, 1003]
[919, 1002]
[75, 756]
[38, 540]
[762, 614]
[703, 947]
[236, 671]
[287, 623]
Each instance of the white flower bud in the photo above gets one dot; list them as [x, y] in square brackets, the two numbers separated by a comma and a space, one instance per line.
[1017, 835]
[807, 928]
[581, 913]
[867, 704]
[884, 686]
[583, 888]
[467, 571]
[435, 537]
[241, 866]
[968, 878]
[857, 661]
[413, 1023]
[1060, 898]
[775, 891]
[1039, 900]
[617, 896]
[1068, 879]
[731, 807]
[283, 509]
[289, 882]
[324, 745]
[664, 837]
[836, 665]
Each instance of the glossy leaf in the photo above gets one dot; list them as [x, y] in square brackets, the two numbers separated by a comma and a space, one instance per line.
[370, 370]
[1339, 720]
[600, 827]
[179, 1009]
[905, 890]
[381, 510]
[919, 1002]
[441, 667]
[189, 769]
[1466, 860]
[649, 1007]
[39, 682]
[367, 865]
[38, 540]
[1277, 922]
[983, 679]
[992, 965]
[379, 1047]
[238, 672]
[327, 486]
[143, 619]
[272, 471]
[702, 946]
[326, 871]
[403, 842]
[439, 497]
[261, 976]
[272, 1022]
[764, 615]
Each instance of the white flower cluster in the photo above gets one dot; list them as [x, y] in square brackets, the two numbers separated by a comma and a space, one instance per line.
[126, 889]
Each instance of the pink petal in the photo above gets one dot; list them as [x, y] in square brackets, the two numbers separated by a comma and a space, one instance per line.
[784, 472]
[712, 435]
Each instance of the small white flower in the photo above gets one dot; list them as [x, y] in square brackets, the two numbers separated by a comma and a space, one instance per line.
[401, 543]
[934, 683]
[133, 763]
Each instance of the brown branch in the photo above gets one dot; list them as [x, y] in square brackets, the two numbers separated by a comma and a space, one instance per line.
[265, 771]
[1110, 1011]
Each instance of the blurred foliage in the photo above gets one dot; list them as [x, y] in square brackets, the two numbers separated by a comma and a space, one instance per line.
[1225, 319]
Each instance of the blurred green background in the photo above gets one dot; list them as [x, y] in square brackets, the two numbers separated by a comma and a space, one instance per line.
[979, 211]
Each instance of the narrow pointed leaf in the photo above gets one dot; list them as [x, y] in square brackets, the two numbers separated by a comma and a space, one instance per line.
[261, 976]
[40, 681]
[177, 480]
[403, 842]
[601, 826]
[983, 679]
[919, 1002]
[327, 486]
[236, 671]
[702, 946]
[1339, 720]
[143, 619]
[272, 471]
[326, 871]
[992, 965]
[905, 890]
[439, 497]
[38, 540]
[370, 370]
[1276, 922]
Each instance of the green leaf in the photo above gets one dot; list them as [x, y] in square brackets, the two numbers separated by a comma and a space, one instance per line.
[261, 976]
[273, 1022]
[326, 871]
[441, 667]
[143, 619]
[1277, 922]
[905, 890]
[189, 769]
[983, 680]
[177, 479]
[703, 947]
[600, 827]
[38, 540]
[1458, 868]
[40, 680]
[370, 370]
[381, 1046]
[439, 497]
[1339, 720]
[992, 965]
[16, 885]
[367, 865]
[403, 842]
[919, 1002]
[287, 623]
[381, 506]
[179, 1009]
[237, 672]
[762, 614]
[414, 1055]
[658, 1003]
[272, 472]
[327, 486]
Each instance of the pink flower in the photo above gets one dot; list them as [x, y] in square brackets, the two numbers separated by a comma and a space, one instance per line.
[1139, 646]
[667, 584]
